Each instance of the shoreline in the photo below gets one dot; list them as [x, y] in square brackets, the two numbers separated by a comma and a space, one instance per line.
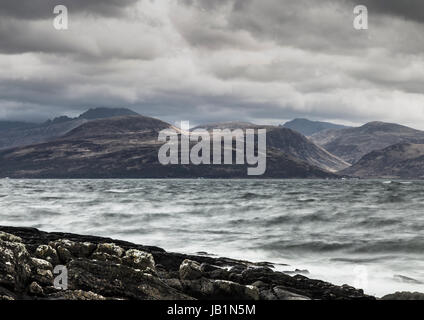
[103, 269]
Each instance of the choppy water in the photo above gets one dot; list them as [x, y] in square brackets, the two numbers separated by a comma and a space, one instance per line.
[364, 233]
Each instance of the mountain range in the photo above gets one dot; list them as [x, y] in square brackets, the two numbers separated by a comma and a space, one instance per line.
[127, 147]
[119, 143]
[16, 134]
[351, 144]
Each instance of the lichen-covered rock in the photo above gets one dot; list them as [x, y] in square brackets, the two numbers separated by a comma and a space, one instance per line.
[36, 289]
[228, 289]
[47, 253]
[42, 271]
[9, 237]
[139, 260]
[15, 268]
[63, 254]
[111, 249]
[76, 249]
[100, 268]
[190, 270]
[103, 256]
[112, 280]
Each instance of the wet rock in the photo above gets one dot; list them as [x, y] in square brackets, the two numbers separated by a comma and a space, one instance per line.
[237, 269]
[219, 274]
[15, 268]
[232, 290]
[219, 289]
[190, 270]
[76, 295]
[63, 254]
[9, 237]
[260, 284]
[76, 249]
[206, 267]
[110, 249]
[47, 253]
[103, 256]
[112, 280]
[139, 260]
[283, 294]
[42, 271]
[100, 268]
[36, 289]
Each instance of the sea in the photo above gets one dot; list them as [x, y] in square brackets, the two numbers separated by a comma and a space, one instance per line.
[364, 233]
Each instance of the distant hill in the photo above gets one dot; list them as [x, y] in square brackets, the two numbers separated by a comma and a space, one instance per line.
[352, 144]
[404, 160]
[127, 147]
[102, 113]
[308, 127]
[16, 134]
[290, 142]
[227, 125]
[11, 125]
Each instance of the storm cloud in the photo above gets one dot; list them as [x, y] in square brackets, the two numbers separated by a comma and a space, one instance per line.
[264, 61]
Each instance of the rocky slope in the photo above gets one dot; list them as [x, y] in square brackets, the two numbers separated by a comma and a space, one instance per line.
[289, 142]
[127, 147]
[103, 269]
[404, 161]
[16, 134]
[308, 127]
[353, 143]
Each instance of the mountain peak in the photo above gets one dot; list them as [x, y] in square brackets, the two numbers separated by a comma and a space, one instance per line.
[101, 113]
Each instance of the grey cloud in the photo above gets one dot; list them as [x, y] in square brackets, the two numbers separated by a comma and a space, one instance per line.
[211, 60]
[408, 9]
[41, 9]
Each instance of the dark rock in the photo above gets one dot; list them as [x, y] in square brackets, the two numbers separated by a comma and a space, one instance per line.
[48, 253]
[102, 268]
[404, 296]
[112, 280]
[36, 289]
[190, 270]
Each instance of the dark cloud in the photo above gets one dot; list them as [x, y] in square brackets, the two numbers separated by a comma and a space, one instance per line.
[407, 9]
[41, 9]
[214, 60]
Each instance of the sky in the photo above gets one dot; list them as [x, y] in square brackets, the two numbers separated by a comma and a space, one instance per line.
[265, 61]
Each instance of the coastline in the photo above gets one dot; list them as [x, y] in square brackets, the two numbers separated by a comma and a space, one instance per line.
[102, 268]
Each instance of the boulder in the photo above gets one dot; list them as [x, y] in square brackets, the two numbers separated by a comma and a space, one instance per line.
[42, 271]
[15, 268]
[47, 253]
[139, 260]
[190, 270]
[112, 280]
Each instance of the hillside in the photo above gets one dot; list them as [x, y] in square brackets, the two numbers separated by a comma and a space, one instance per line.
[127, 147]
[404, 161]
[353, 143]
[291, 143]
[17, 134]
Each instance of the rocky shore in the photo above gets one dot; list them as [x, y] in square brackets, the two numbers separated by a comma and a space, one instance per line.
[102, 269]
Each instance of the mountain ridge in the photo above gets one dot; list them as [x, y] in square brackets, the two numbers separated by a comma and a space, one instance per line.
[351, 144]
[309, 127]
[399, 161]
[131, 153]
